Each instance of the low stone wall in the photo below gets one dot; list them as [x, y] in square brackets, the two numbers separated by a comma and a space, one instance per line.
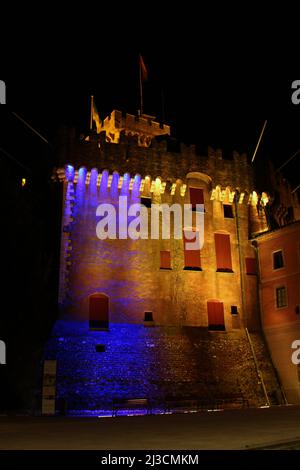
[153, 362]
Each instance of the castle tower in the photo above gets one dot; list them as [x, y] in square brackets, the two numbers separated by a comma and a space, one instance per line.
[197, 301]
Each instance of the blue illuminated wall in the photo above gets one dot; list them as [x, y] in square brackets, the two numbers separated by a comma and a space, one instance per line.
[141, 362]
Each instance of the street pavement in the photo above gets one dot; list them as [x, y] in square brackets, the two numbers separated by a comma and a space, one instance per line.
[276, 427]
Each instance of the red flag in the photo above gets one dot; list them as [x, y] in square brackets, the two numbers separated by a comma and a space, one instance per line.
[143, 68]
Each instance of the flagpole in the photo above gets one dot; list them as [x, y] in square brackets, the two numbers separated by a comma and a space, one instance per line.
[141, 86]
[163, 110]
[91, 118]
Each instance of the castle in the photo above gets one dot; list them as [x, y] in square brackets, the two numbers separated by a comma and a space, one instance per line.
[166, 320]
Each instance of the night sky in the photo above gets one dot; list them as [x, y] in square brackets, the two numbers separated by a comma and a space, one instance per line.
[217, 91]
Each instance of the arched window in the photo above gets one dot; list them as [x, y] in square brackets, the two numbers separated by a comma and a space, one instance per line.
[198, 185]
[98, 311]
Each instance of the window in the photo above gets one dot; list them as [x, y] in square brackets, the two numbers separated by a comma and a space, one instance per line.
[234, 310]
[215, 313]
[165, 260]
[192, 260]
[98, 311]
[251, 266]
[223, 252]
[228, 211]
[278, 260]
[281, 297]
[148, 316]
[146, 201]
[196, 197]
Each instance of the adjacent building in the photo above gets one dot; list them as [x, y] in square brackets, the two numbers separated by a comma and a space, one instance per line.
[279, 262]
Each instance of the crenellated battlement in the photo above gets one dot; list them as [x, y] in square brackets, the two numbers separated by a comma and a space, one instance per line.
[144, 127]
[155, 185]
[164, 157]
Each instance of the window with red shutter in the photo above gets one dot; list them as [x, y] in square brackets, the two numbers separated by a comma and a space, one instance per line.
[251, 266]
[192, 260]
[223, 252]
[165, 260]
[215, 313]
[196, 197]
[98, 311]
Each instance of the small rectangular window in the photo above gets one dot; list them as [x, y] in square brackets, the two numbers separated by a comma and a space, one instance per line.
[278, 260]
[196, 197]
[228, 211]
[165, 260]
[192, 260]
[281, 297]
[148, 316]
[234, 310]
[251, 266]
[146, 201]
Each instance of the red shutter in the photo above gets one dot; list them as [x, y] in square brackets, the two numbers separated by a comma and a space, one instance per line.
[196, 197]
[215, 313]
[98, 311]
[223, 252]
[165, 260]
[191, 257]
[251, 266]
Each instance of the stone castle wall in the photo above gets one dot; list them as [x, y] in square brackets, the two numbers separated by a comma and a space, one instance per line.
[128, 271]
[174, 357]
[155, 363]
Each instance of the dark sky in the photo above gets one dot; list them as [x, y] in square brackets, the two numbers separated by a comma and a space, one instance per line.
[217, 91]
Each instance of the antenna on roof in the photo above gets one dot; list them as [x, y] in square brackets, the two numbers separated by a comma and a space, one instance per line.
[259, 140]
[30, 127]
[291, 158]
